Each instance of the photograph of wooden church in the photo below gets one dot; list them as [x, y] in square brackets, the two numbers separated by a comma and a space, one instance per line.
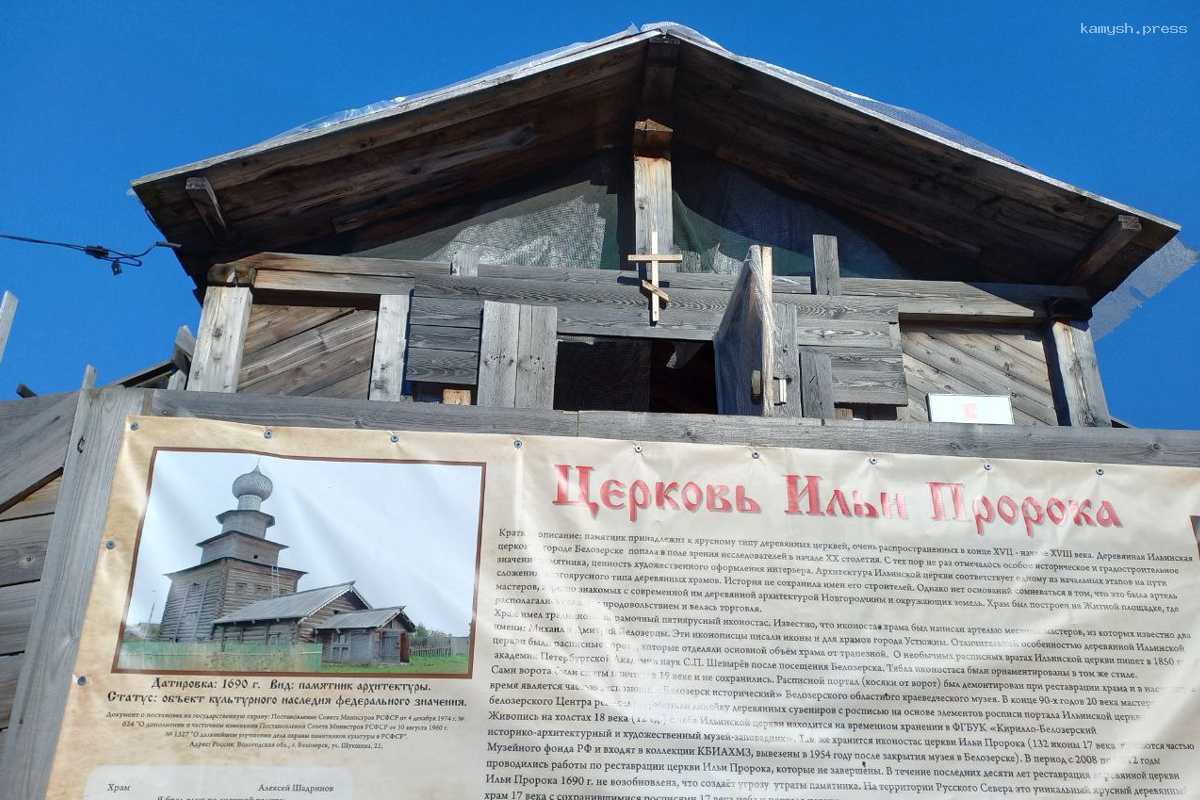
[237, 608]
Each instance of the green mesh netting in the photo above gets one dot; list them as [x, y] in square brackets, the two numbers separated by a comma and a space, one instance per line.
[721, 210]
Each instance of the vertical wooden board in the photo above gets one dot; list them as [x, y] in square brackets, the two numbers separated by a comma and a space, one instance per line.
[786, 396]
[391, 347]
[1075, 375]
[827, 272]
[64, 589]
[537, 356]
[816, 383]
[652, 198]
[8, 310]
[743, 345]
[218, 355]
[498, 344]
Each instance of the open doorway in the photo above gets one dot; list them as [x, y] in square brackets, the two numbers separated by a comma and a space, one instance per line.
[596, 373]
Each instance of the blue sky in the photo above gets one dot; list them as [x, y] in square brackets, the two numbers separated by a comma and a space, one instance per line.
[95, 95]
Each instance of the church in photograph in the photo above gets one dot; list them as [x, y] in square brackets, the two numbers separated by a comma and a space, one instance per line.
[238, 593]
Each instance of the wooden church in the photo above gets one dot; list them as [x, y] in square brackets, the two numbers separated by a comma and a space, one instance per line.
[645, 238]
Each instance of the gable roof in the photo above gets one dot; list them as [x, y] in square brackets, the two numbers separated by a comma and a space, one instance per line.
[302, 190]
[370, 618]
[290, 606]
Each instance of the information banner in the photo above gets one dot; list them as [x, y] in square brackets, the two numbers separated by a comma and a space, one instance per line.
[293, 613]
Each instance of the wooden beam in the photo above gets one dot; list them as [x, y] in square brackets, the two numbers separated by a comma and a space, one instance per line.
[456, 397]
[816, 383]
[8, 310]
[1122, 230]
[1075, 376]
[1087, 445]
[827, 272]
[391, 349]
[652, 199]
[498, 343]
[218, 354]
[204, 200]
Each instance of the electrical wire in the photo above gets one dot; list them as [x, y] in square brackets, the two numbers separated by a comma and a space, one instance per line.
[116, 259]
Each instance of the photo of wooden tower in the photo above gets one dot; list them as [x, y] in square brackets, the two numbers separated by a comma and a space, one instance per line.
[238, 566]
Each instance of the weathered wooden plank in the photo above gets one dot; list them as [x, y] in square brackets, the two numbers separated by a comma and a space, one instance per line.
[459, 367]
[63, 591]
[744, 342]
[391, 347]
[983, 376]
[1089, 445]
[323, 412]
[23, 548]
[498, 343]
[16, 615]
[537, 357]
[451, 312]
[652, 201]
[816, 383]
[998, 349]
[34, 446]
[268, 366]
[349, 358]
[827, 271]
[270, 324]
[917, 300]
[218, 355]
[10, 671]
[8, 311]
[843, 333]
[1075, 376]
[41, 501]
[786, 370]
[444, 337]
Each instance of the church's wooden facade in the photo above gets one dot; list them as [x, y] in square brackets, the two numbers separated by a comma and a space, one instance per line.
[979, 279]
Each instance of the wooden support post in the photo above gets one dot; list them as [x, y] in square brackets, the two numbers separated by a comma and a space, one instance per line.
[204, 200]
[391, 349]
[218, 356]
[816, 383]
[652, 203]
[1075, 375]
[743, 345]
[465, 263]
[517, 355]
[1122, 230]
[827, 273]
[8, 310]
[787, 396]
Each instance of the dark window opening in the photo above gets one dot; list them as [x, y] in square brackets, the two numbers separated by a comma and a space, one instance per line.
[619, 374]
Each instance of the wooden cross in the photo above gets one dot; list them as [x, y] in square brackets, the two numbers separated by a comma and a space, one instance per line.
[657, 296]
